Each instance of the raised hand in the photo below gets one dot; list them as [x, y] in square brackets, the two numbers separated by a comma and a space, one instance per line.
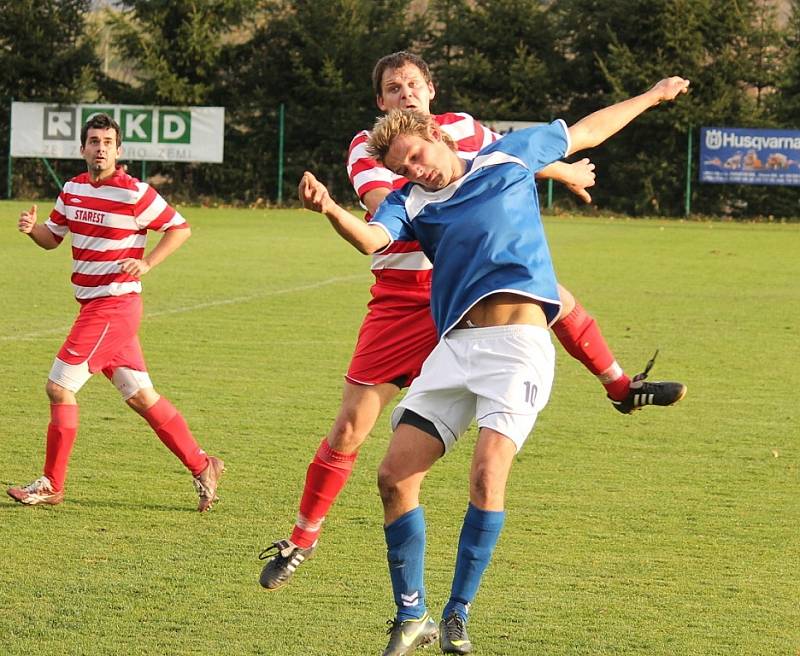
[27, 220]
[670, 88]
[313, 194]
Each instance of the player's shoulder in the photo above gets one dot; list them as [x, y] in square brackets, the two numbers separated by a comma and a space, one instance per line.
[450, 118]
[400, 195]
[465, 130]
[360, 139]
[81, 178]
[124, 180]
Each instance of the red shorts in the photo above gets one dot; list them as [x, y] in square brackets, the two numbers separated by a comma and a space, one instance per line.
[104, 335]
[396, 336]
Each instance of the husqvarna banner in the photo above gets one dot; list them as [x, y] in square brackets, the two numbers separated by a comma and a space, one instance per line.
[750, 156]
[170, 134]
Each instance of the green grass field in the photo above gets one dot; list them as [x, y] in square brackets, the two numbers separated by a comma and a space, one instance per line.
[670, 532]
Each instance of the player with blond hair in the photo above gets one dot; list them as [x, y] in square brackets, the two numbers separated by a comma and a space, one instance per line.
[494, 295]
[398, 333]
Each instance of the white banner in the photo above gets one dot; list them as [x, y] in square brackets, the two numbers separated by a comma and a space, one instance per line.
[167, 134]
[504, 127]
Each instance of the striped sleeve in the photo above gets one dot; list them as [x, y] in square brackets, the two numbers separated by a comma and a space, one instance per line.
[57, 221]
[154, 213]
[364, 172]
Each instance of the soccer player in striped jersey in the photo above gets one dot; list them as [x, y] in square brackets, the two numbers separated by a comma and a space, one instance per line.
[493, 297]
[108, 214]
[398, 332]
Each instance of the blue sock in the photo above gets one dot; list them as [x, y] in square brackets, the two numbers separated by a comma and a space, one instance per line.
[475, 548]
[405, 543]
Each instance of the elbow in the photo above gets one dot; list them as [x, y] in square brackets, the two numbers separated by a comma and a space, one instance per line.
[581, 138]
[373, 246]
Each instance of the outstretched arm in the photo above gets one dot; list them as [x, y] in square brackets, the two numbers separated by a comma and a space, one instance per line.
[36, 231]
[600, 125]
[314, 196]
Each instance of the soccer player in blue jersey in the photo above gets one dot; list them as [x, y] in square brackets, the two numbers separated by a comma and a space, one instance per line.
[493, 297]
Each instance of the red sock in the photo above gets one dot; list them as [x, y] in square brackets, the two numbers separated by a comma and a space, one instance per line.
[580, 335]
[61, 433]
[173, 431]
[325, 478]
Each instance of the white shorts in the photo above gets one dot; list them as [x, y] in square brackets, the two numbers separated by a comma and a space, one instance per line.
[501, 376]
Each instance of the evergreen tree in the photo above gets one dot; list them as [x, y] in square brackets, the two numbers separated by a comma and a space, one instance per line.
[173, 48]
[614, 50]
[492, 58]
[314, 57]
[44, 57]
[174, 53]
[786, 104]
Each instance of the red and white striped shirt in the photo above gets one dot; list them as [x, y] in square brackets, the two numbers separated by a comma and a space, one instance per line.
[109, 221]
[404, 262]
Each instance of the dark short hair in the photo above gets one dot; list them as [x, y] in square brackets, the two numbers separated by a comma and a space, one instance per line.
[100, 122]
[398, 60]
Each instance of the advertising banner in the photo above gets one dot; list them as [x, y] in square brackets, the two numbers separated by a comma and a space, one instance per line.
[169, 134]
[750, 156]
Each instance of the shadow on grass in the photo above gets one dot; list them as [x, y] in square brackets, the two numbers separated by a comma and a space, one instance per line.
[86, 503]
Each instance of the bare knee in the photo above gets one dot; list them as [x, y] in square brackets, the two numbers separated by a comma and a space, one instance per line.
[345, 436]
[361, 407]
[143, 400]
[567, 302]
[388, 484]
[487, 489]
[58, 394]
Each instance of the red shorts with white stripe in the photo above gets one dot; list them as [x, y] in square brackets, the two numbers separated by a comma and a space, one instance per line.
[396, 336]
[104, 335]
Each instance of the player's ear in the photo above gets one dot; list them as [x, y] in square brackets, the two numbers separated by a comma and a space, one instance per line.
[379, 102]
[431, 90]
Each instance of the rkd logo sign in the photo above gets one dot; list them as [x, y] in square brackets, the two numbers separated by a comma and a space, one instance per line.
[138, 125]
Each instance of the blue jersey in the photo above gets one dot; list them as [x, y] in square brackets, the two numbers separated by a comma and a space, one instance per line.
[484, 232]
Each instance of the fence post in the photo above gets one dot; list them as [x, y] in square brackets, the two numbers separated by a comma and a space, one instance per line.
[51, 171]
[10, 159]
[280, 155]
[688, 174]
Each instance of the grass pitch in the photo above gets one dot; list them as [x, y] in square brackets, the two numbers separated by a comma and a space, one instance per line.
[672, 531]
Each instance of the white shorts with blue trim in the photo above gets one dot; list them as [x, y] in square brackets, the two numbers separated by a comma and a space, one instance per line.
[501, 376]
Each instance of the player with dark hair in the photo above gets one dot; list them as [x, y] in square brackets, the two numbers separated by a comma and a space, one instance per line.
[108, 214]
[494, 295]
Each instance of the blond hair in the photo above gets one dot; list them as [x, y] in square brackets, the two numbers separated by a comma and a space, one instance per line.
[402, 121]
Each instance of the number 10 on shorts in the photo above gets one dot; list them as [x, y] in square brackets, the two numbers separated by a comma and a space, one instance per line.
[530, 392]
